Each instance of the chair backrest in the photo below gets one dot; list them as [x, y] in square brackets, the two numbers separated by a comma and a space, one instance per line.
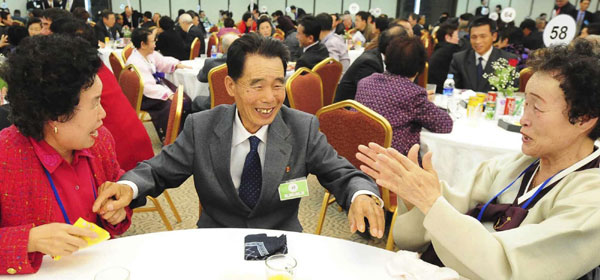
[195, 48]
[278, 36]
[305, 91]
[214, 28]
[330, 71]
[127, 52]
[524, 77]
[423, 77]
[132, 85]
[216, 83]
[280, 32]
[116, 64]
[346, 129]
[175, 112]
[213, 40]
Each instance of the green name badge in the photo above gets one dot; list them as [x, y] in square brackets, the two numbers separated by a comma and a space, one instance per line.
[293, 189]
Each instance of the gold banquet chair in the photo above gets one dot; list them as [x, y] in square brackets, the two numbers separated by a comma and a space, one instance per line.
[524, 77]
[345, 130]
[423, 77]
[132, 85]
[116, 64]
[195, 48]
[173, 125]
[216, 84]
[330, 71]
[305, 91]
[127, 50]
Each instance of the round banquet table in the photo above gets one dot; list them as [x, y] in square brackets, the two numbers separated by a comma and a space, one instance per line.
[216, 254]
[457, 154]
[354, 54]
[188, 78]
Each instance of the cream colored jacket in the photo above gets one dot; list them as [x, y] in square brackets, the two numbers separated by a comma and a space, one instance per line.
[559, 238]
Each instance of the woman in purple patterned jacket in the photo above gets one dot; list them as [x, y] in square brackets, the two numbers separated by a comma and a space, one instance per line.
[394, 95]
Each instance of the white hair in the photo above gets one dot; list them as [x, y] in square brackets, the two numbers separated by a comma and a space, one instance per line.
[227, 39]
[186, 18]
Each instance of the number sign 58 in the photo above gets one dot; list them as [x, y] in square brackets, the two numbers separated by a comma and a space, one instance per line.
[560, 30]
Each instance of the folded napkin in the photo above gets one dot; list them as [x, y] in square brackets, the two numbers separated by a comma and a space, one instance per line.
[408, 265]
[261, 246]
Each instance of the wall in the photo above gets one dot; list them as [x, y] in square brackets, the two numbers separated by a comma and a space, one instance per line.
[525, 8]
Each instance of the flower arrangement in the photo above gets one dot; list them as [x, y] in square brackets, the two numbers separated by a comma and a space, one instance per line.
[504, 75]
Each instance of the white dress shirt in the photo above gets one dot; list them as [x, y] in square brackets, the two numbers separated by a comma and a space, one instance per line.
[240, 146]
[486, 57]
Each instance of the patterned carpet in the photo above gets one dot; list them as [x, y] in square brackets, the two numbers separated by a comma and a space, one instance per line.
[186, 200]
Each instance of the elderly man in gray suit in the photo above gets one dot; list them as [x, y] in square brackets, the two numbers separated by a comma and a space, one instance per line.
[243, 156]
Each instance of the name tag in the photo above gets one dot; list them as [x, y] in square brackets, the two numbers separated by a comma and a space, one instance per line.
[293, 189]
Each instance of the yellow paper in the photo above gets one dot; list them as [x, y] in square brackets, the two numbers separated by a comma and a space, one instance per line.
[280, 277]
[103, 235]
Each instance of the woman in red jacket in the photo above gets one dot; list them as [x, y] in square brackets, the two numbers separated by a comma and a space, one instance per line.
[56, 154]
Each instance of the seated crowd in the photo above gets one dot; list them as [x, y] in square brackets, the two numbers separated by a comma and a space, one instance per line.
[75, 147]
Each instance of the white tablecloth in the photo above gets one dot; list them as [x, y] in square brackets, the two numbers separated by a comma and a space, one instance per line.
[354, 54]
[105, 53]
[188, 78]
[457, 154]
[216, 254]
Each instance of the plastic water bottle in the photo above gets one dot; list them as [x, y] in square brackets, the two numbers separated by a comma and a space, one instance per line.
[449, 85]
[213, 52]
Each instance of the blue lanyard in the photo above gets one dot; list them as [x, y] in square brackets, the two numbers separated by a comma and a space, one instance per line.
[58, 200]
[507, 187]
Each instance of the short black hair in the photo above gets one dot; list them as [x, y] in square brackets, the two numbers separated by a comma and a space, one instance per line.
[106, 13]
[4, 14]
[446, 28]
[382, 23]
[180, 12]
[16, 34]
[255, 8]
[405, 56]
[246, 16]
[228, 22]
[594, 28]
[363, 15]
[166, 23]
[33, 20]
[529, 24]
[46, 76]
[17, 11]
[467, 16]
[325, 21]
[577, 68]
[387, 36]
[140, 35]
[292, 7]
[254, 44]
[192, 13]
[277, 13]
[311, 26]
[148, 14]
[55, 13]
[513, 34]
[262, 20]
[481, 21]
[414, 16]
[76, 28]
[36, 12]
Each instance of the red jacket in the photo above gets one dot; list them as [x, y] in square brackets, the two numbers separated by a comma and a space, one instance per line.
[242, 27]
[27, 200]
[132, 142]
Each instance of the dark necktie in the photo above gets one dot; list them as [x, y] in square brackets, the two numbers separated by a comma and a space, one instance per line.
[251, 175]
[480, 71]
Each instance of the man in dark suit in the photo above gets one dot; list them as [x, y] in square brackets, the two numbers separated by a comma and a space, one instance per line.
[533, 39]
[106, 28]
[367, 63]
[482, 10]
[582, 16]
[245, 157]
[131, 17]
[147, 20]
[169, 42]
[313, 50]
[468, 66]
[563, 7]
[189, 32]
[439, 62]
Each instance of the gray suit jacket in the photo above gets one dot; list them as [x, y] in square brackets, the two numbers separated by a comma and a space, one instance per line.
[209, 64]
[203, 149]
[464, 68]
